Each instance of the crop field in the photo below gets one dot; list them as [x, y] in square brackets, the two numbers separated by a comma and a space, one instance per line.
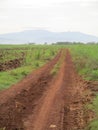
[18, 61]
[49, 87]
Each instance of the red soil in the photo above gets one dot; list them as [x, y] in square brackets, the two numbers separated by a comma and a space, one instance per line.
[41, 102]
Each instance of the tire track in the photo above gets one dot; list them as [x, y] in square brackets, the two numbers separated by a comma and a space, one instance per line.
[45, 105]
[61, 107]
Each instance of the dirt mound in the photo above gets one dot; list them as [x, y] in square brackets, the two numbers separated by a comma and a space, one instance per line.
[12, 64]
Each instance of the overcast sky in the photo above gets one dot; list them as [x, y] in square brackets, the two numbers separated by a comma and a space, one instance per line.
[53, 15]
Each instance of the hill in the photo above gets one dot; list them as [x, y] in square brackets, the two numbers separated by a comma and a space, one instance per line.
[42, 36]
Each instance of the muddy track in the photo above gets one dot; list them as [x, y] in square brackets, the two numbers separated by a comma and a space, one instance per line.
[41, 102]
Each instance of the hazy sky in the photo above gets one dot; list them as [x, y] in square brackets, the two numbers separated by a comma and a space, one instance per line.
[53, 15]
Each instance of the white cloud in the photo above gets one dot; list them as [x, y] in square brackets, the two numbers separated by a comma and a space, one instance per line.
[55, 15]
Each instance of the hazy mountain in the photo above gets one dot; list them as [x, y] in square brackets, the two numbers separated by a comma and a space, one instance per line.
[42, 36]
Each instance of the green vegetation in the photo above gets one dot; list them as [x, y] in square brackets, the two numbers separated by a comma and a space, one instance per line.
[2, 128]
[93, 125]
[85, 58]
[55, 69]
[13, 76]
[57, 66]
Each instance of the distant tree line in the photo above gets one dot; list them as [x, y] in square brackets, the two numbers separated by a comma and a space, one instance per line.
[67, 43]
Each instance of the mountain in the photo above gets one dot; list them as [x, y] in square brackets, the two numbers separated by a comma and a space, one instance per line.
[42, 36]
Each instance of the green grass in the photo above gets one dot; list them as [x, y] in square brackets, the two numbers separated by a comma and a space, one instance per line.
[55, 69]
[11, 77]
[85, 58]
[93, 125]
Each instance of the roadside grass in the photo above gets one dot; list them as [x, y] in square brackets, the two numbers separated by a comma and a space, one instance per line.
[58, 65]
[85, 58]
[13, 76]
[93, 125]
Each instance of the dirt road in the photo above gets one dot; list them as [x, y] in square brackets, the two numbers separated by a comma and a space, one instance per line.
[44, 102]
